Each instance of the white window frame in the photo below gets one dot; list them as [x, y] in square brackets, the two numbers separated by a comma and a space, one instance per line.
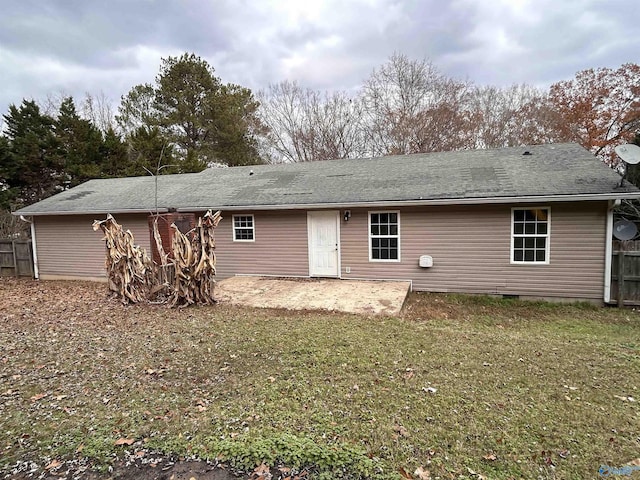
[235, 229]
[370, 236]
[547, 236]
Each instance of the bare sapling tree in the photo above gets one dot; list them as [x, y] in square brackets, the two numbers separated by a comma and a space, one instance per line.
[186, 273]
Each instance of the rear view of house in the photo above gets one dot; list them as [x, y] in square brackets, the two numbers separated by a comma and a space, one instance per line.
[531, 221]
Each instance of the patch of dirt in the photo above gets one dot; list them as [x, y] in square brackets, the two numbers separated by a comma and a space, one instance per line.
[179, 471]
[157, 469]
[162, 469]
[351, 296]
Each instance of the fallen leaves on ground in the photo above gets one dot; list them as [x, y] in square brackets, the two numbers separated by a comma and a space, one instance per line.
[262, 472]
[400, 430]
[124, 441]
[53, 464]
[79, 369]
[405, 474]
[422, 473]
[475, 474]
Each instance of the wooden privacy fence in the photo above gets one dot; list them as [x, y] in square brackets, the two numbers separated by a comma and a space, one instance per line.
[625, 273]
[16, 258]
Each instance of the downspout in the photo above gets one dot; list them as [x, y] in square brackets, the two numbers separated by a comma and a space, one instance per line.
[34, 251]
[608, 249]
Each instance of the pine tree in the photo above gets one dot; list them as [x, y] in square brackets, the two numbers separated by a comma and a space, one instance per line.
[204, 120]
[30, 165]
[114, 155]
[8, 193]
[146, 146]
[79, 145]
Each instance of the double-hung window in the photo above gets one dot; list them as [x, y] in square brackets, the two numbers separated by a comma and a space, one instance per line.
[243, 228]
[530, 228]
[384, 236]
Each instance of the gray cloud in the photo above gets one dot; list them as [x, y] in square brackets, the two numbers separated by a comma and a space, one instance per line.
[75, 46]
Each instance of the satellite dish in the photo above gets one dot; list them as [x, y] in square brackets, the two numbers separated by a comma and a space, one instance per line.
[624, 230]
[630, 153]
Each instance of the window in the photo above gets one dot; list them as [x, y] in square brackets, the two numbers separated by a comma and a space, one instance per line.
[384, 236]
[243, 228]
[530, 235]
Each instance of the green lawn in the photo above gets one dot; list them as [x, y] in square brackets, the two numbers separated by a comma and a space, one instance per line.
[463, 387]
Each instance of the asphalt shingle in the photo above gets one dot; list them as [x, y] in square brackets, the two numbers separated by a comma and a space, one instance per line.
[548, 170]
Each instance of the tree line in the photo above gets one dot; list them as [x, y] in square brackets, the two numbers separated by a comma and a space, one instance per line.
[188, 119]
[409, 106]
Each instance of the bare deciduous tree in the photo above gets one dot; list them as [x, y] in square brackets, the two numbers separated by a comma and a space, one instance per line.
[305, 125]
[51, 104]
[98, 109]
[408, 106]
[12, 227]
[507, 116]
[411, 107]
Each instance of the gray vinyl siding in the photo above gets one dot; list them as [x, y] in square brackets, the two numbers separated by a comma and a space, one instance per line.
[280, 245]
[471, 246]
[67, 246]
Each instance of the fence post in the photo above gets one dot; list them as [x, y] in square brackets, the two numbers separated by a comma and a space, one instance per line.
[15, 259]
[620, 278]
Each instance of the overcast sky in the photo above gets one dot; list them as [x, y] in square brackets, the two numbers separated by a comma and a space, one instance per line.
[48, 47]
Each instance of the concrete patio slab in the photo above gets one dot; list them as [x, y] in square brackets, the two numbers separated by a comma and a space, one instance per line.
[352, 296]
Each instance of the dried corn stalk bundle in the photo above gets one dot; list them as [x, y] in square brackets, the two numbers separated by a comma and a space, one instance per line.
[195, 263]
[129, 269]
[163, 271]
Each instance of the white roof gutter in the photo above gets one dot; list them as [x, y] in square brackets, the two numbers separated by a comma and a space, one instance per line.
[90, 212]
[375, 204]
[420, 202]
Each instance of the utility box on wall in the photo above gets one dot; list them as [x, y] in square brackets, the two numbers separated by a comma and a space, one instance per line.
[184, 222]
[425, 261]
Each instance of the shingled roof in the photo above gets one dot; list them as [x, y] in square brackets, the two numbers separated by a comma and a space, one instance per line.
[526, 174]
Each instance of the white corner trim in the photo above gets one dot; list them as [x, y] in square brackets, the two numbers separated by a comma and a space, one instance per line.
[608, 250]
[36, 271]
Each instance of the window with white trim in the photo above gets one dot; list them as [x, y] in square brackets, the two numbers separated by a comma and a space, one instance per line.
[384, 236]
[530, 229]
[243, 228]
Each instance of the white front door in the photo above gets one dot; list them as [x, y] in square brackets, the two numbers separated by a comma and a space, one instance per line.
[323, 243]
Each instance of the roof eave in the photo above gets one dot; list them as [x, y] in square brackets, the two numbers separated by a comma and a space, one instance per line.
[20, 213]
[416, 203]
[375, 204]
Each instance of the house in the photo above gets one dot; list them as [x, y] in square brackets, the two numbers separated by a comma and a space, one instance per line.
[531, 221]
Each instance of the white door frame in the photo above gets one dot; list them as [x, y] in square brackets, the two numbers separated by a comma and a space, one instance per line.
[326, 213]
